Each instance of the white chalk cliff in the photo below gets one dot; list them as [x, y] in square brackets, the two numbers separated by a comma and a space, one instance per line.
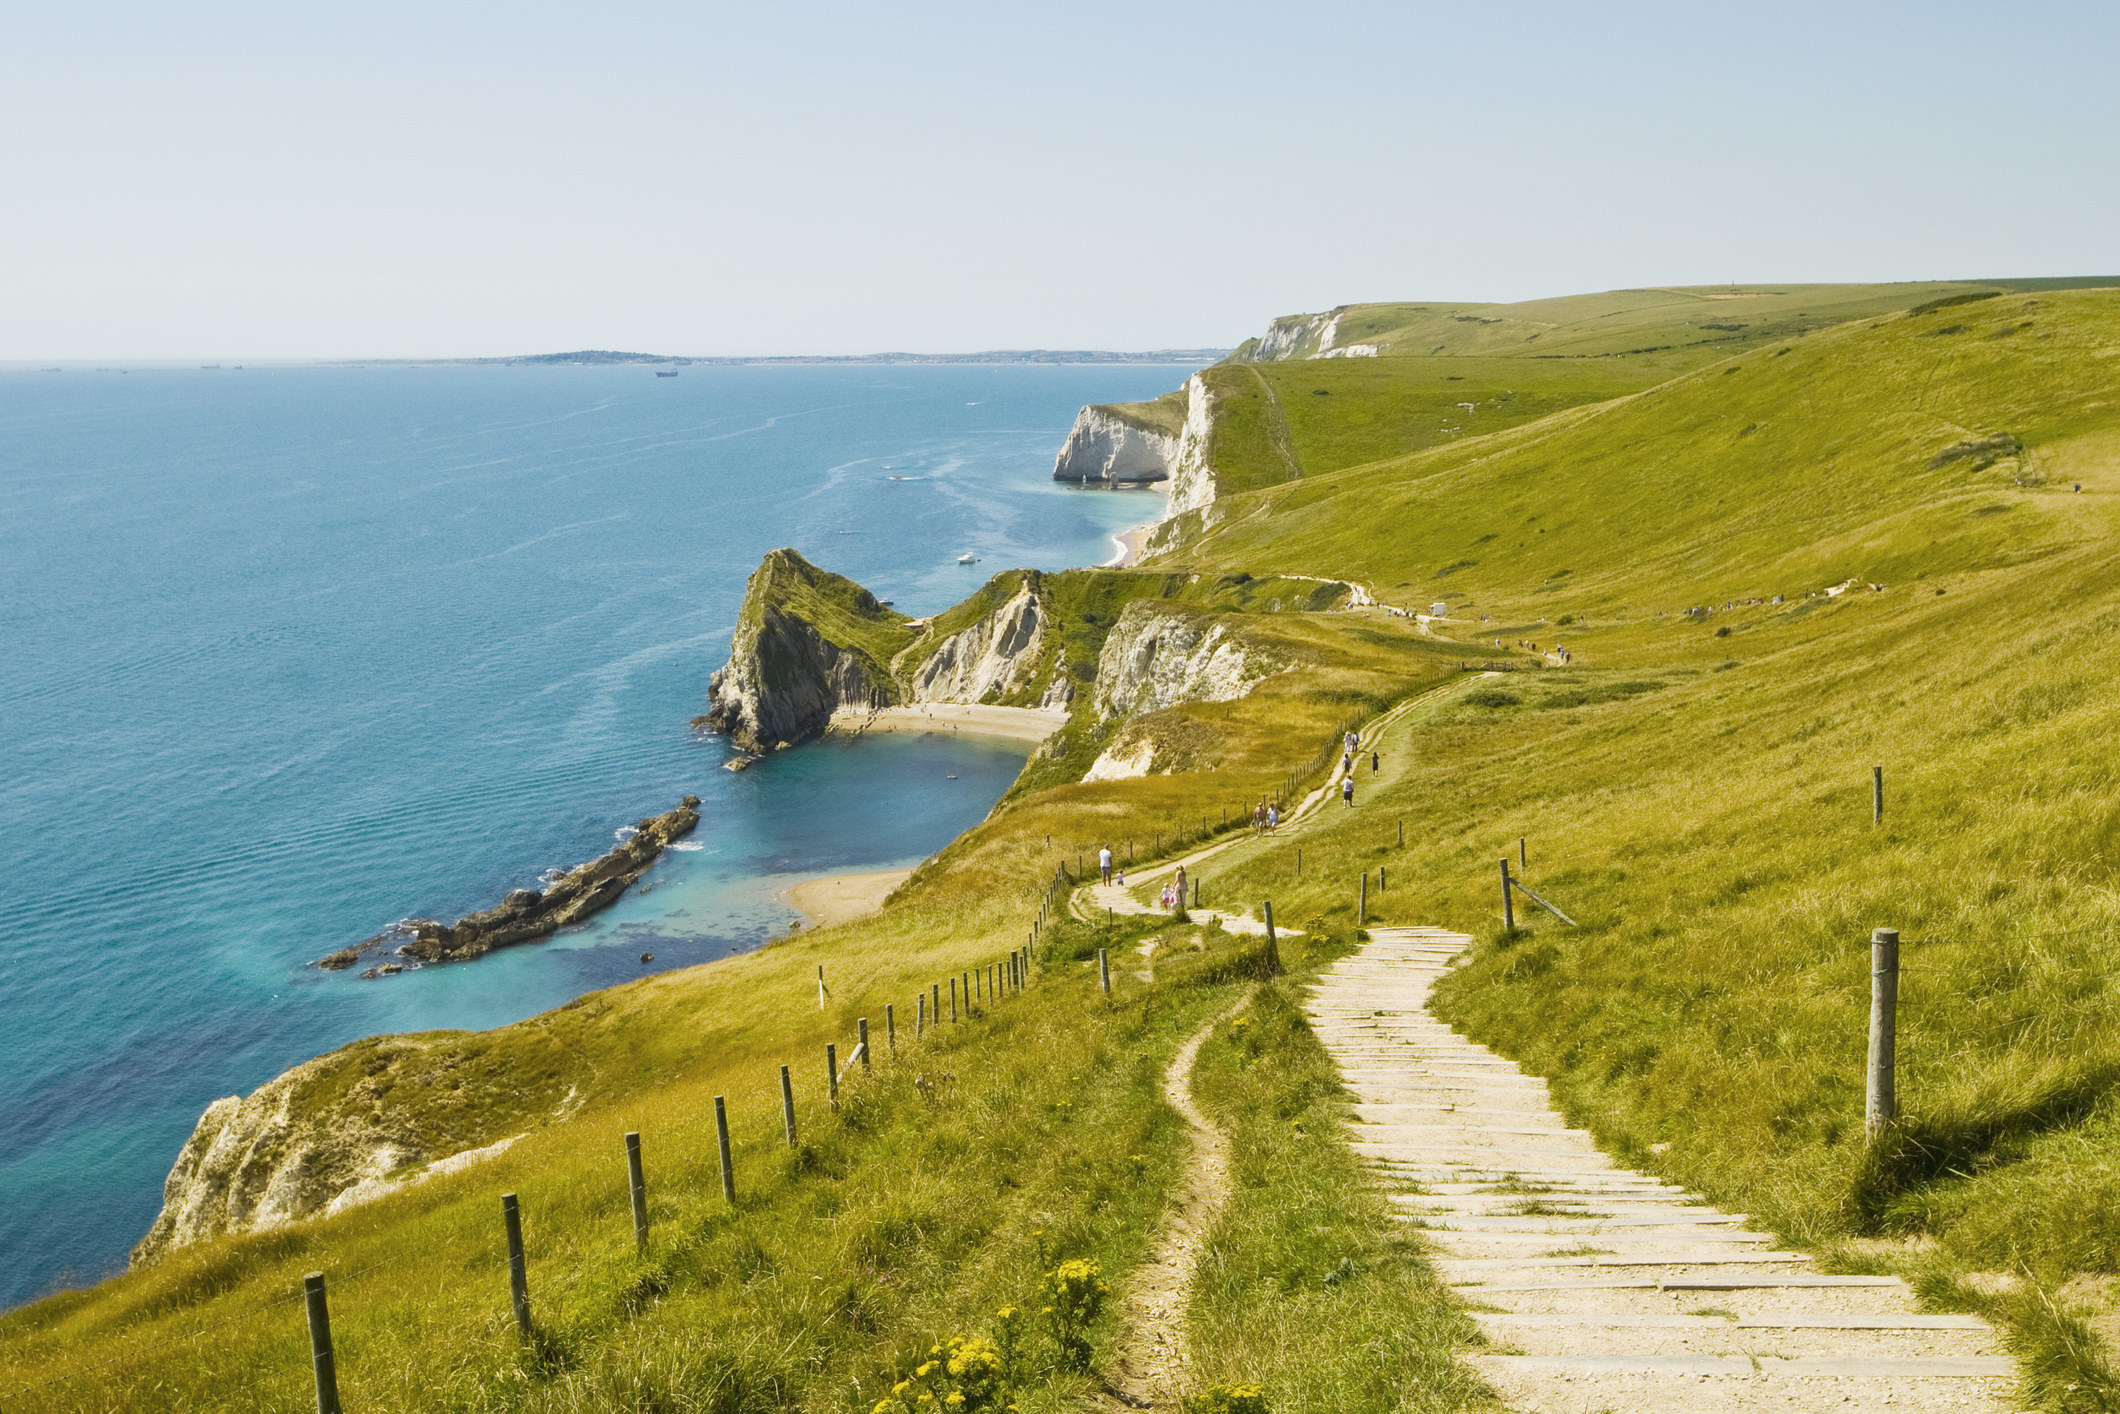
[1104, 447]
[996, 656]
[1157, 657]
[1192, 482]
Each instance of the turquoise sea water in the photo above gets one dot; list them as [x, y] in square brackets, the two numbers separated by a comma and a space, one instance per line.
[287, 655]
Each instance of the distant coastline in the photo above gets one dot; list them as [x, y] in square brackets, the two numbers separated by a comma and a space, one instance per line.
[612, 356]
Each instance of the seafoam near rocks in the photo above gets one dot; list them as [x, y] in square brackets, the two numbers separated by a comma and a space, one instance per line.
[1104, 447]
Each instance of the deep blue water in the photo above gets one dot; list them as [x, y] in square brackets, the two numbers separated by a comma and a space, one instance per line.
[289, 654]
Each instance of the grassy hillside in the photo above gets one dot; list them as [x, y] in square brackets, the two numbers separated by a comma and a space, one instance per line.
[1514, 363]
[1695, 786]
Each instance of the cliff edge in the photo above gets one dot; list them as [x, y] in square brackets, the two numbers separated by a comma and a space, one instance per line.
[359, 1123]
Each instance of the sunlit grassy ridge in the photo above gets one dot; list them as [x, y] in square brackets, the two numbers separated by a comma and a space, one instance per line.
[1447, 372]
[1787, 468]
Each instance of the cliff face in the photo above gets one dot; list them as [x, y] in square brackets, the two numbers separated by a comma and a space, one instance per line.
[1295, 336]
[993, 659]
[1157, 657]
[354, 1125]
[1102, 447]
[1193, 477]
[807, 643]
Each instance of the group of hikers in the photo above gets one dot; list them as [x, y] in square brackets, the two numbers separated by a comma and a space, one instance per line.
[1173, 892]
[1265, 819]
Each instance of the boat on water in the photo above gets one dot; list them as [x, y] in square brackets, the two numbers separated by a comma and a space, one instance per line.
[967, 559]
[665, 373]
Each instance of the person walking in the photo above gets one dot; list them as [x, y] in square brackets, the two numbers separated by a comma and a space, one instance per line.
[1372, 763]
[1347, 791]
[1179, 880]
[1273, 818]
[1104, 863]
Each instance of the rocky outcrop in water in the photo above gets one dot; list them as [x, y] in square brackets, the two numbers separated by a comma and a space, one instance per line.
[527, 914]
[807, 643]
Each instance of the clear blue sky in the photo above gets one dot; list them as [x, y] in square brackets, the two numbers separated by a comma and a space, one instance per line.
[226, 181]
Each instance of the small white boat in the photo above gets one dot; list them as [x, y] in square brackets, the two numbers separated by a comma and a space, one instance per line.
[967, 559]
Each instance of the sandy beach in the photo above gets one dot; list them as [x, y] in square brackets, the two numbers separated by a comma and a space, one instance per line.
[823, 902]
[1032, 724]
[1129, 543]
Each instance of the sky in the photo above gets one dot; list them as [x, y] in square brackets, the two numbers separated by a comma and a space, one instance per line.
[458, 179]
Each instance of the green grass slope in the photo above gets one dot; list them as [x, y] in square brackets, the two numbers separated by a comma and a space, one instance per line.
[1694, 786]
[1515, 363]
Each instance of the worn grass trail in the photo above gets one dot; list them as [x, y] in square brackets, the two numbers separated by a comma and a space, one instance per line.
[1152, 1368]
[1600, 1287]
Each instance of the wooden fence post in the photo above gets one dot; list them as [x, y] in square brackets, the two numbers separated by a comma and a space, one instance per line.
[863, 1031]
[1877, 795]
[320, 1356]
[1273, 948]
[831, 1071]
[721, 1138]
[787, 1103]
[1380, 878]
[953, 1001]
[1523, 860]
[1508, 903]
[920, 1015]
[820, 986]
[1402, 834]
[1299, 861]
[1104, 971]
[518, 1264]
[890, 1027]
[637, 1182]
[1881, 1105]
[935, 1005]
[1361, 907]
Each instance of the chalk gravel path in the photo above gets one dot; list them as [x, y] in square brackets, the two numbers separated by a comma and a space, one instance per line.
[1600, 1288]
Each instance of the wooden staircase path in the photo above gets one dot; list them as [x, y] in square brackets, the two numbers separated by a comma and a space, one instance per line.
[1600, 1288]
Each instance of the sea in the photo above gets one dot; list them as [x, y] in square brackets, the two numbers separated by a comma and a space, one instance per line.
[290, 654]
